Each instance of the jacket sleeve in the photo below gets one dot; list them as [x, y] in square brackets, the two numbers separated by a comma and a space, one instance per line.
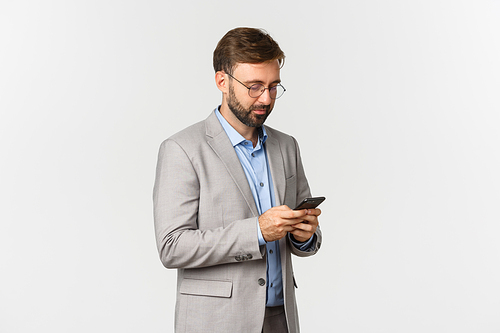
[303, 191]
[176, 201]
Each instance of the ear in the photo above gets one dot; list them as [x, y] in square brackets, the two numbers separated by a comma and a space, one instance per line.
[221, 82]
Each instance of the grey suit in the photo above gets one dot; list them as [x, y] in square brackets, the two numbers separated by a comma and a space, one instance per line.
[206, 225]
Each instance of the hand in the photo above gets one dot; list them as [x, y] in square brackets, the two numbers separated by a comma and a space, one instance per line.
[277, 221]
[303, 231]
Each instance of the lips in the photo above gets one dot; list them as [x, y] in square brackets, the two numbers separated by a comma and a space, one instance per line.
[260, 112]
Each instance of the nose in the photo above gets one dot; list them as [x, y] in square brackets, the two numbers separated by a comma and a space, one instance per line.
[265, 98]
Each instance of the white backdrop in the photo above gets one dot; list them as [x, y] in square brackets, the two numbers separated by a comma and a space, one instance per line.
[395, 105]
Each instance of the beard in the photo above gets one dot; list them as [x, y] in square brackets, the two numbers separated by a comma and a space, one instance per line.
[246, 116]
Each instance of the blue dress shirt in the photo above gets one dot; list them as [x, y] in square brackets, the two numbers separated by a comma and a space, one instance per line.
[256, 167]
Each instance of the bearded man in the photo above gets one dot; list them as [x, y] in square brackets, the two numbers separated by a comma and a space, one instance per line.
[223, 198]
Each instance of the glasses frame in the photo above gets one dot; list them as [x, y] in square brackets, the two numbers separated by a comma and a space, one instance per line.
[258, 84]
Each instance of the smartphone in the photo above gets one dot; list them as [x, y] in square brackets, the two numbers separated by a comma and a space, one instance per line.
[309, 203]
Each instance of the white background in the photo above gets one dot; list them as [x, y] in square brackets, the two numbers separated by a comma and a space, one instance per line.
[395, 105]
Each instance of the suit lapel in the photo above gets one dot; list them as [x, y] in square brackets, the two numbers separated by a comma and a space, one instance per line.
[277, 166]
[220, 143]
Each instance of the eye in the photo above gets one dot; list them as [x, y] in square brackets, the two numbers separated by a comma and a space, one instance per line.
[257, 88]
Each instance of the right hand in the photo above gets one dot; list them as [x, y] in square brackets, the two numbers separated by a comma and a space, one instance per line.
[276, 222]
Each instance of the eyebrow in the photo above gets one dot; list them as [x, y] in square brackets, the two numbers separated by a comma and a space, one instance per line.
[250, 82]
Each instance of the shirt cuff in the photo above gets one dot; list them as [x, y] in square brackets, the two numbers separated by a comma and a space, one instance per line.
[262, 241]
[302, 246]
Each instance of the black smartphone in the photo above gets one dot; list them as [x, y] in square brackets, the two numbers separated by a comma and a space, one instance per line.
[309, 203]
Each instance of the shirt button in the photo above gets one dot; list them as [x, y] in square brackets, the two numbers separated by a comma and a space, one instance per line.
[271, 251]
[261, 184]
[261, 282]
[245, 143]
[253, 155]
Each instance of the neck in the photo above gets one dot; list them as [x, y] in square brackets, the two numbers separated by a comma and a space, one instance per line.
[249, 133]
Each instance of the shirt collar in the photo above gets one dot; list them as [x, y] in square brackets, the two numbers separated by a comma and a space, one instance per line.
[235, 137]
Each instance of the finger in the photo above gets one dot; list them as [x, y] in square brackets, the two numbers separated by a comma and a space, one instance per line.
[300, 235]
[294, 214]
[292, 222]
[311, 219]
[305, 227]
[314, 211]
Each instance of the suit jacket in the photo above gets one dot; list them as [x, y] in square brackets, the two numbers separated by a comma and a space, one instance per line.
[206, 225]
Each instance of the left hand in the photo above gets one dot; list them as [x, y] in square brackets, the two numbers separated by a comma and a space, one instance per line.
[306, 229]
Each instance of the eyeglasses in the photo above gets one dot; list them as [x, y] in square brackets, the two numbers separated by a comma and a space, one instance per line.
[255, 90]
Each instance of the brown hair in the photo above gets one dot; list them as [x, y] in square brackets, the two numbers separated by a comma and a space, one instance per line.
[246, 45]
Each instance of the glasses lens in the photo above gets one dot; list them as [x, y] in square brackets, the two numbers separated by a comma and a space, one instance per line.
[256, 90]
[277, 91]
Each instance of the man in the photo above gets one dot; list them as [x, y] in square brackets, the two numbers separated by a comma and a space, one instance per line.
[223, 195]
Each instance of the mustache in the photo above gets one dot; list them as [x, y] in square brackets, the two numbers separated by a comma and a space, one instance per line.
[260, 107]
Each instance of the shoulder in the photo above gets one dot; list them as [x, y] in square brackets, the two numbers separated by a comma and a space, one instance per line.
[194, 138]
[184, 139]
[195, 132]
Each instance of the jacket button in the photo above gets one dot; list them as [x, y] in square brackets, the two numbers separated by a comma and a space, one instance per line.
[249, 256]
[238, 258]
[262, 282]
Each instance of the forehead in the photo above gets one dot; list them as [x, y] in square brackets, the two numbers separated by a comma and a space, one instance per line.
[265, 72]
